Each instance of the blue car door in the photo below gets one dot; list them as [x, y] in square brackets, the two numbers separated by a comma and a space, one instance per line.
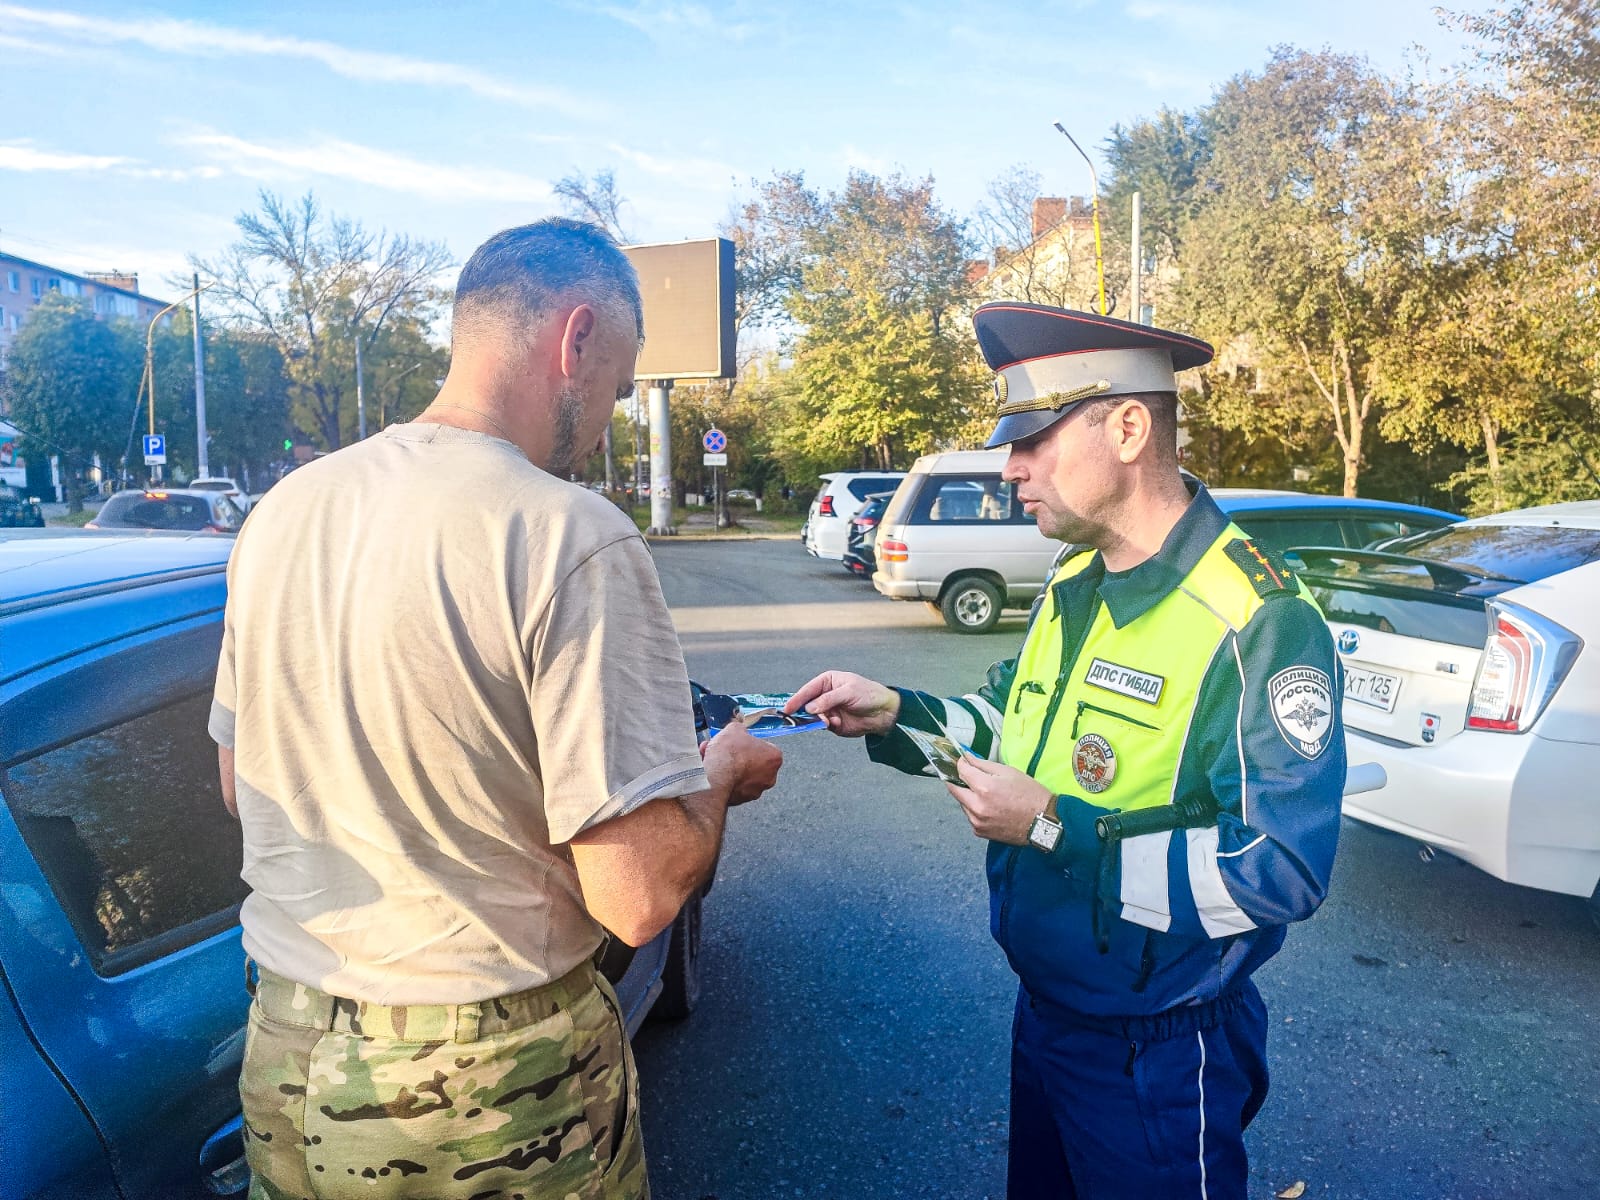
[121, 892]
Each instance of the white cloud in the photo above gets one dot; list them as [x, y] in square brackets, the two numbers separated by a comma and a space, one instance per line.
[23, 156]
[660, 19]
[194, 38]
[858, 159]
[1195, 21]
[703, 173]
[335, 158]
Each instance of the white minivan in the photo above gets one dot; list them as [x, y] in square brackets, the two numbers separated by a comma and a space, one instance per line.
[955, 536]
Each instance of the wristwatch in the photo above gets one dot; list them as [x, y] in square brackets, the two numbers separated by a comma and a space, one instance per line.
[1045, 832]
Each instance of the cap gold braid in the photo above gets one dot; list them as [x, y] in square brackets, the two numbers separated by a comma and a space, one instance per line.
[1054, 401]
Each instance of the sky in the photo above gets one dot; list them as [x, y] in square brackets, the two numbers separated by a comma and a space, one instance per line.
[132, 135]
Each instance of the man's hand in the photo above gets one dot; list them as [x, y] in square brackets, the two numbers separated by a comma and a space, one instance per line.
[851, 705]
[745, 765]
[1000, 801]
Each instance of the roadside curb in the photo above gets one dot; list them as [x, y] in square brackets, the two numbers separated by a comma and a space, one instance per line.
[721, 537]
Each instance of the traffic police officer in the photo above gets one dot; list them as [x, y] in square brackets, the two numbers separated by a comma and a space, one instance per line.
[1176, 678]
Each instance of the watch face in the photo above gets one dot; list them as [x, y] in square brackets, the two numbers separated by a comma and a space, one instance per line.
[1044, 833]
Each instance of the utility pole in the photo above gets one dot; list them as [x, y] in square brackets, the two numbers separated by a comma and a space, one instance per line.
[1138, 266]
[660, 458]
[202, 456]
[361, 397]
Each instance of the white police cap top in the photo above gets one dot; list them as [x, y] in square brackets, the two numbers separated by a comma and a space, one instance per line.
[1047, 360]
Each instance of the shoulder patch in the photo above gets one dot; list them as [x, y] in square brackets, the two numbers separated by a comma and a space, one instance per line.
[1264, 568]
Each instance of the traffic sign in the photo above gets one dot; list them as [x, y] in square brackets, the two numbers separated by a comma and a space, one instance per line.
[155, 449]
[715, 441]
[715, 460]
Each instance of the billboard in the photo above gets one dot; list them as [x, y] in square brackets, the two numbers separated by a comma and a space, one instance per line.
[687, 289]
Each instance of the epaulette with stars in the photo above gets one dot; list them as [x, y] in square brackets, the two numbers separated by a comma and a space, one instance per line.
[1264, 568]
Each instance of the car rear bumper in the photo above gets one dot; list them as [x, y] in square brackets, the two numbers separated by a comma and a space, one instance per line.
[1519, 806]
[897, 589]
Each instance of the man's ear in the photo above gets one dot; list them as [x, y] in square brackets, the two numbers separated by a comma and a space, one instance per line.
[576, 338]
[1130, 427]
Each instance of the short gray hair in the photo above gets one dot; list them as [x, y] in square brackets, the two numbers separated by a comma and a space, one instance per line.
[530, 272]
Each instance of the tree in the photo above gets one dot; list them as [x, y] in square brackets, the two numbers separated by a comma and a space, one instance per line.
[1313, 220]
[595, 200]
[884, 364]
[71, 382]
[247, 397]
[1513, 350]
[315, 284]
[1162, 158]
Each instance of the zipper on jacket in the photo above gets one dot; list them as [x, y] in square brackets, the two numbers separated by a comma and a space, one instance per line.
[1085, 706]
[1069, 656]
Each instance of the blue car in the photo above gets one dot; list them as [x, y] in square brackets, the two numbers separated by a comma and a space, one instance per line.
[122, 999]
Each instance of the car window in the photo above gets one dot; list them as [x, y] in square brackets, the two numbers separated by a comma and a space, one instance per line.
[863, 487]
[158, 512]
[1368, 531]
[129, 827]
[967, 499]
[1526, 553]
[229, 514]
[1281, 532]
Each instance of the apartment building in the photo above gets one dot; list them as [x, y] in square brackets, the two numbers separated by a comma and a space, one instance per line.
[24, 283]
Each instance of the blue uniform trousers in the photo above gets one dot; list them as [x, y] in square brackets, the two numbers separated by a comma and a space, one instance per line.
[1137, 1107]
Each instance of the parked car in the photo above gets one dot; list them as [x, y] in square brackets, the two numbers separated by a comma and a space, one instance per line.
[18, 511]
[184, 509]
[954, 537]
[122, 1001]
[859, 555]
[1472, 676]
[843, 492]
[228, 487]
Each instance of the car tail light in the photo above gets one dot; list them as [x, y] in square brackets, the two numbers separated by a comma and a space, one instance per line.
[1523, 663]
[892, 551]
[866, 522]
[213, 527]
[825, 506]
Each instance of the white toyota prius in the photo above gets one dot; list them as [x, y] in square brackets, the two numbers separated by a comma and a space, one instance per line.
[1471, 660]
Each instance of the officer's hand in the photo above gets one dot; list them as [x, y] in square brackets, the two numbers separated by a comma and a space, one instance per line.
[1000, 801]
[743, 765]
[850, 704]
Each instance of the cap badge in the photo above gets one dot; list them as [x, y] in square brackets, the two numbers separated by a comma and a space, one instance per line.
[1094, 763]
[1000, 389]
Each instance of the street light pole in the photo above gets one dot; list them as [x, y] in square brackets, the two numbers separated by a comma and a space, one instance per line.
[1134, 296]
[150, 356]
[202, 456]
[1099, 263]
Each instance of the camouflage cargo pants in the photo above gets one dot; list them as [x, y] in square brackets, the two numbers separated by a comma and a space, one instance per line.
[526, 1097]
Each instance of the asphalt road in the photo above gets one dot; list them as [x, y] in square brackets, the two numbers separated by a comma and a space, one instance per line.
[1433, 1030]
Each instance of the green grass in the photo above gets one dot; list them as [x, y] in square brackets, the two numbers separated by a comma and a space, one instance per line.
[72, 520]
[748, 521]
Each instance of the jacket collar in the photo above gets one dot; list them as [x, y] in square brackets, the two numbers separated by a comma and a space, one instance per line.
[1133, 593]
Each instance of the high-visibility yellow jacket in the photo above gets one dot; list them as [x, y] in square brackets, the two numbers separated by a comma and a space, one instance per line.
[1204, 675]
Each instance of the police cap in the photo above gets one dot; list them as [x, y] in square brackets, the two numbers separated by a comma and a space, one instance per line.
[1046, 360]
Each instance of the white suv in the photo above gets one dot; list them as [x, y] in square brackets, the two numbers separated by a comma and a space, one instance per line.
[228, 487]
[1472, 676]
[843, 492]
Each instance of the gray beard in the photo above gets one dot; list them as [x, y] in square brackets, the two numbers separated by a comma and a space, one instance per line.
[564, 448]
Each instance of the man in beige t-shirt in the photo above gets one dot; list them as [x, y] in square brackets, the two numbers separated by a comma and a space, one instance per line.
[454, 721]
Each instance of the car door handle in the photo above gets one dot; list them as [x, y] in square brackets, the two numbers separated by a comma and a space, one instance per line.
[222, 1162]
